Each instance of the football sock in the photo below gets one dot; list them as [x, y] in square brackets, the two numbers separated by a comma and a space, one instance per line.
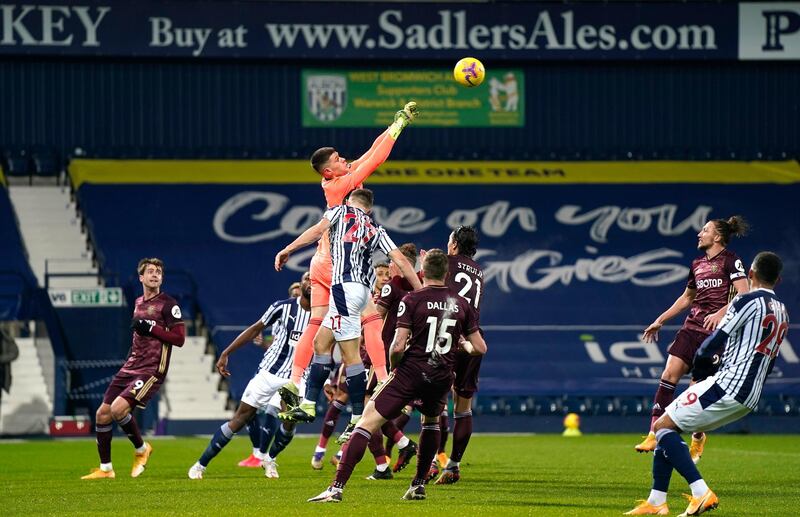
[444, 430]
[403, 441]
[429, 438]
[462, 431]
[329, 423]
[220, 439]
[321, 367]
[376, 448]
[128, 424]
[677, 453]
[452, 464]
[353, 452]
[268, 430]
[699, 488]
[106, 467]
[254, 431]
[304, 350]
[664, 395]
[282, 439]
[382, 467]
[373, 341]
[662, 472]
[402, 420]
[356, 387]
[657, 497]
[104, 434]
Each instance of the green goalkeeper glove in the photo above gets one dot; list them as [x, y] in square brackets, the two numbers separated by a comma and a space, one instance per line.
[403, 118]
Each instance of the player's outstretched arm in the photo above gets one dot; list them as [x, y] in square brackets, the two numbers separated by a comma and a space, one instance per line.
[356, 163]
[383, 148]
[401, 335]
[309, 236]
[681, 304]
[246, 336]
[409, 274]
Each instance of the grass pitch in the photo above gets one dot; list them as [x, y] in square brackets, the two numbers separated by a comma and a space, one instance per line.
[501, 475]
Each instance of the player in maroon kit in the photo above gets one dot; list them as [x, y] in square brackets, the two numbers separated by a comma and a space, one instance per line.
[465, 278]
[430, 324]
[715, 278]
[157, 327]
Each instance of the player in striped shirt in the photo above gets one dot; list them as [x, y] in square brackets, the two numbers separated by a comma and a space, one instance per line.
[747, 341]
[288, 318]
[340, 178]
[354, 236]
[713, 279]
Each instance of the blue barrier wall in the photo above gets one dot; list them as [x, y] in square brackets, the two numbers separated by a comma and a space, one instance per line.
[573, 273]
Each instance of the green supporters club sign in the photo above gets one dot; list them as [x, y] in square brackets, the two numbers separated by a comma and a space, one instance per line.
[368, 98]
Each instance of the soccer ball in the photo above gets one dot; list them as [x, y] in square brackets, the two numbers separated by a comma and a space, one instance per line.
[469, 72]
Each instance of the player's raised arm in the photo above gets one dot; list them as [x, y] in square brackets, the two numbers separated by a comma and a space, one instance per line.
[409, 274]
[383, 145]
[681, 304]
[245, 337]
[378, 141]
[309, 236]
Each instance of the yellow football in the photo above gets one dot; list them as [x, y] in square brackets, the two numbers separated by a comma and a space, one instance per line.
[469, 72]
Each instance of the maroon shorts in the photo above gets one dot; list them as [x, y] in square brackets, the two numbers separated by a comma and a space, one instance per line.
[466, 369]
[405, 385]
[136, 388]
[686, 344]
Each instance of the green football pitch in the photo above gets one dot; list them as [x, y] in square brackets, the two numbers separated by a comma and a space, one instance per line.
[501, 475]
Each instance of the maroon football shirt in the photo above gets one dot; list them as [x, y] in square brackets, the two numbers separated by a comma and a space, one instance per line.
[148, 354]
[465, 277]
[391, 294]
[437, 318]
[713, 279]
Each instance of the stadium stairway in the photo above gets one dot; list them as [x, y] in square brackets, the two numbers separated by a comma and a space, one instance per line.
[51, 229]
[26, 409]
[191, 391]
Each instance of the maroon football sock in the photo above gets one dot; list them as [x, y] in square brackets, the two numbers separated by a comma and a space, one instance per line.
[444, 430]
[664, 396]
[128, 424]
[462, 431]
[428, 443]
[401, 421]
[376, 448]
[329, 423]
[392, 434]
[352, 453]
[104, 434]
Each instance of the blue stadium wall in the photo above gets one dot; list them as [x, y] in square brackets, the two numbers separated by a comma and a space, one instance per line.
[574, 111]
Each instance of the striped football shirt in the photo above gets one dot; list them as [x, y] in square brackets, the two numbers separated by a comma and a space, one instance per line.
[288, 320]
[354, 237]
[756, 323]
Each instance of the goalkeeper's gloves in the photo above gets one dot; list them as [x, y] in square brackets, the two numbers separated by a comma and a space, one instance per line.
[143, 327]
[403, 118]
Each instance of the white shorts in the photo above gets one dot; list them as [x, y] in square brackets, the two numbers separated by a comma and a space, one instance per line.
[704, 407]
[347, 302]
[262, 390]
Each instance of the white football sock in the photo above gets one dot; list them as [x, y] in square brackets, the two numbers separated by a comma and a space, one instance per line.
[403, 442]
[699, 488]
[657, 497]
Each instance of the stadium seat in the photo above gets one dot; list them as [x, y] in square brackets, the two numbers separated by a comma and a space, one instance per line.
[16, 163]
[45, 163]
